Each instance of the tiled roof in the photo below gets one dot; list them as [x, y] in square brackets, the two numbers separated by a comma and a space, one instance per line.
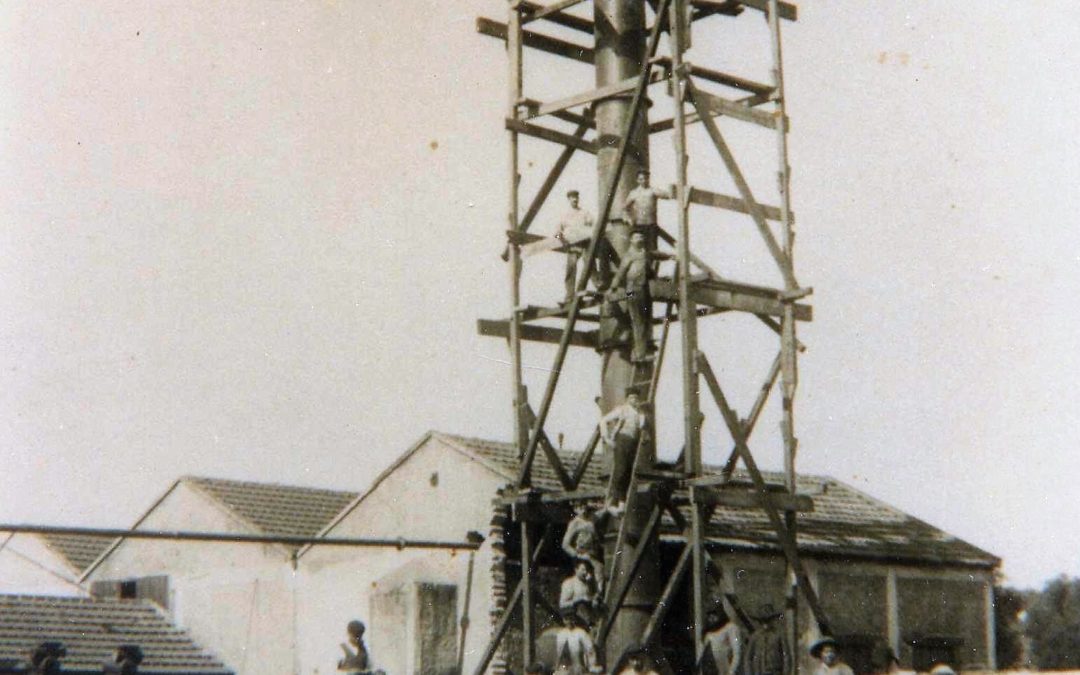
[844, 521]
[79, 551]
[91, 629]
[276, 509]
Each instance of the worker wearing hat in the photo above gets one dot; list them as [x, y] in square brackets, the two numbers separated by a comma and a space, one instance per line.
[574, 231]
[825, 650]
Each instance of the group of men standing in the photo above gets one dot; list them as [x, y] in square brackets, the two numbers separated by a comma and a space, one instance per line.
[627, 282]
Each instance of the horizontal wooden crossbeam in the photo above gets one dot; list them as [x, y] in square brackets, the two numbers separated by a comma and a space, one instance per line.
[501, 328]
[622, 87]
[719, 105]
[726, 79]
[707, 8]
[544, 43]
[554, 13]
[716, 295]
[720, 201]
[551, 135]
[787, 11]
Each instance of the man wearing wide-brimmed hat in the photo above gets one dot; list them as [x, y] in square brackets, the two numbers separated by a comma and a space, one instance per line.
[825, 650]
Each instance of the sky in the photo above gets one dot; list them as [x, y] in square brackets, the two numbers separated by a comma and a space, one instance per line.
[251, 240]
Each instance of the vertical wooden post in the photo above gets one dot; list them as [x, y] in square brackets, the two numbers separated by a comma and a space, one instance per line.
[892, 611]
[514, 51]
[528, 636]
[991, 640]
[788, 343]
[687, 315]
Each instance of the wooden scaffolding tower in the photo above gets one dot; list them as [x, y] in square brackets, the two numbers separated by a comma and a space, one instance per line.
[694, 291]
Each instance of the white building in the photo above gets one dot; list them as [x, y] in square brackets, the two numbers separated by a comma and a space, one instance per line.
[238, 599]
[47, 564]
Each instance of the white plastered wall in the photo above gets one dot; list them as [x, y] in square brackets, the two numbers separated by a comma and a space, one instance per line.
[236, 600]
[436, 494]
[29, 567]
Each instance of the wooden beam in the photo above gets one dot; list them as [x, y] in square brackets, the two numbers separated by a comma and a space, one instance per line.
[720, 201]
[666, 290]
[548, 185]
[788, 11]
[549, 452]
[586, 457]
[615, 597]
[511, 605]
[722, 106]
[692, 117]
[551, 135]
[499, 328]
[554, 13]
[592, 95]
[726, 79]
[563, 497]
[652, 629]
[722, 148]
[784, 536]
[747, 499]
[533, 313]
[544, 43]
[707, 8]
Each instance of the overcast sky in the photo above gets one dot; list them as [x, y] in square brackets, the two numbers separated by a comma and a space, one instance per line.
[251, 240]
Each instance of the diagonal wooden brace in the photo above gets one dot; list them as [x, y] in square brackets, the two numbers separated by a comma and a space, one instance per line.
[783, 534]
[511, 605]
[756, 212]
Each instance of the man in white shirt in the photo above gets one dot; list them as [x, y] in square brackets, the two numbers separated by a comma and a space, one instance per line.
[621, 429]
[574, 232]
[639, 209]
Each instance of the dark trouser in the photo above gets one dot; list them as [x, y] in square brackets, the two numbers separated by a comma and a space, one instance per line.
[622, 466]
[573, 255]
[639, 307]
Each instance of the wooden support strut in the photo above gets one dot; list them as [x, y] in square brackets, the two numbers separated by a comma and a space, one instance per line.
[714, 199]
[652, 629]
[495, 328]
[549, 452]
[614, 599]
[744, 189]
[590, 96]
[544, 43]
[722, 106]
[723, 298]
[554, 14]
[590, 256]
[783, 534]
[515, 599]
[586, 457]
[551, 135]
